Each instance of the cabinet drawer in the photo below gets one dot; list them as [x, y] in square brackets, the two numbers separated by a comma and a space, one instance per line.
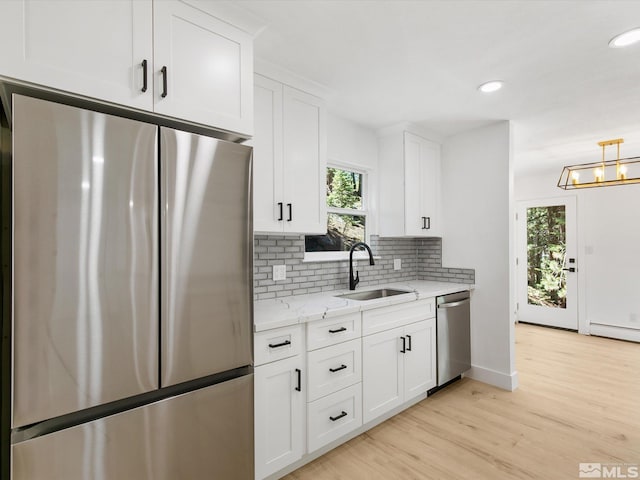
[277, 344]
[333, 330]
[333, 416]
[333, 368]
[385, 318]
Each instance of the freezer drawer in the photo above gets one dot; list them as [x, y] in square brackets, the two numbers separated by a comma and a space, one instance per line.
[204, 434]
[85, 249]
[207, 304]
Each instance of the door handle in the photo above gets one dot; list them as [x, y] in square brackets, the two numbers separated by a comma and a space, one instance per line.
[404, 345]
[163, 70]
[280, 205]
[299, 373]
[453, 304]
[409, 346]
[570, 269]
[341, 367]
[426, 223]
[290, 212]
[144, 75]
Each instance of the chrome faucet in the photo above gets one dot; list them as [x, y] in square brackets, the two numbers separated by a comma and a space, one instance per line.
[353, 281]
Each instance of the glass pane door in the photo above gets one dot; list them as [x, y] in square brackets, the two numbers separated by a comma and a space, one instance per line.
[547, 264]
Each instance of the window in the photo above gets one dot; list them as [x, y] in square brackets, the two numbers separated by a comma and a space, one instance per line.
[346, 215]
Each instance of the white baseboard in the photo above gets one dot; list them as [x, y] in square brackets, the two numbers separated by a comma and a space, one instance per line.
[621, 333]
[492, 377]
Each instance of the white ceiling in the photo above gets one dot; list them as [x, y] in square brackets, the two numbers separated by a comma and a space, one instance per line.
[386, 62]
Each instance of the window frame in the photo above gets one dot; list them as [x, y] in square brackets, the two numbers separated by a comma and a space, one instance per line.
[332, 256]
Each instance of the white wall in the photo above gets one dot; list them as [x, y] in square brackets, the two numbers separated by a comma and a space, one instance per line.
[608, 231]
[477, 184]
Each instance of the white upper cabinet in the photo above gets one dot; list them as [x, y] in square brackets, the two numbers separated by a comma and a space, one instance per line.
[305, 163]
[203, 67]
[93, 48]
[289, 160]
[409, 186]
[267, 156]
[171, 57]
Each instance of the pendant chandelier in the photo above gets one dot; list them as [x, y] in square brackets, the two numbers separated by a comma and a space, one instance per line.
[605, 173]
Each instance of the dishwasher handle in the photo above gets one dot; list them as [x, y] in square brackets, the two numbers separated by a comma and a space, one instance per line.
[453, 304]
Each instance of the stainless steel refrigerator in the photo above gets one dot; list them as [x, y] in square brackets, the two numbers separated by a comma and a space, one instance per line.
[132, 299]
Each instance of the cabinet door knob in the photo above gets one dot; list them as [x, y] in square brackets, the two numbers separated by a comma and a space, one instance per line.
[164, 81]
[144, 75]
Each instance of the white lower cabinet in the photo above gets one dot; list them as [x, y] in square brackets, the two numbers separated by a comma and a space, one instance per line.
[333, 368]
[280, 399]
[382, 373]
[334, 389]
[397, 365]
[420, 358]
[279, 415]
[324, 381]
[333, 416]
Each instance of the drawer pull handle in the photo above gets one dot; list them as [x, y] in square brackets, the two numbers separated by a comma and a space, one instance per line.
[283, 344]
[338, 417]
[341, 329]
[341, 367]
[299, 373]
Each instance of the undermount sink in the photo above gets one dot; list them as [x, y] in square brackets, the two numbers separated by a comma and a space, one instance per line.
[373, 294]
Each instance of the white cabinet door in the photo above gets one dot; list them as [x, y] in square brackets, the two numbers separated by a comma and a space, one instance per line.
[279, 416]
[268, 204]
[382, 377]
[419, 359]
[208, 76]
[422, 186]
[305, 163]
[93, 48]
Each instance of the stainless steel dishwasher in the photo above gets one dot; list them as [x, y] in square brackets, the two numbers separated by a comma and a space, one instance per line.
[453, 332]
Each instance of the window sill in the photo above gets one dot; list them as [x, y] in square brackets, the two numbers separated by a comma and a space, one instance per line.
[323, 257]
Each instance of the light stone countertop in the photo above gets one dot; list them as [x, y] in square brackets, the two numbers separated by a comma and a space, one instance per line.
[286, 311]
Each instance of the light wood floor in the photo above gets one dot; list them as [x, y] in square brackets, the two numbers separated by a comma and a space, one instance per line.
[578, 401]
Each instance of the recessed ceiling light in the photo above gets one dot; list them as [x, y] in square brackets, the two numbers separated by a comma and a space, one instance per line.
[492, 86]
[625, 39]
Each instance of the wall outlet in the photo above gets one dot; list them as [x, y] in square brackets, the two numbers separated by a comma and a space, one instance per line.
[397, 263]
[279, 272]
